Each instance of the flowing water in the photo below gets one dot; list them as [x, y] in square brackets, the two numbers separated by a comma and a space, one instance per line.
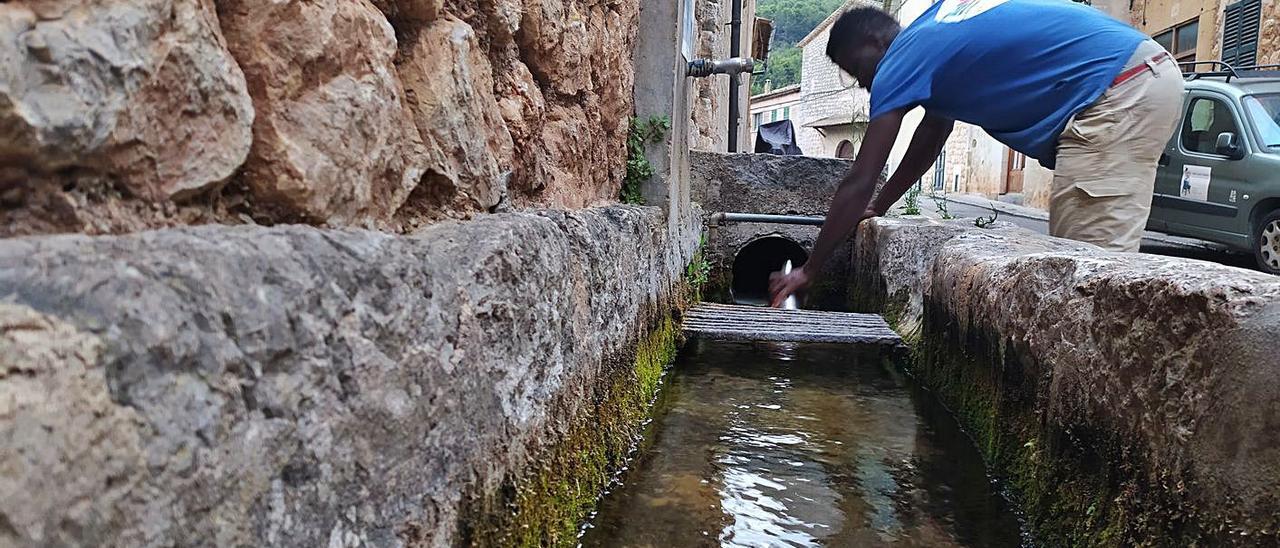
[801, 445]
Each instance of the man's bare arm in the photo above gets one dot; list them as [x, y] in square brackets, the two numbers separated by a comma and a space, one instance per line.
[923, 151]
[851, 200]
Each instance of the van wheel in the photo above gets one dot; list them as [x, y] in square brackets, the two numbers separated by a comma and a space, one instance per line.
[1266, 242]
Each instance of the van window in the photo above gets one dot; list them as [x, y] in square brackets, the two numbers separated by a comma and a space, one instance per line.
[1264, 110]
[1206, 118]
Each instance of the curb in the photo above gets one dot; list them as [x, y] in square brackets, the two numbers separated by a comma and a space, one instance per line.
[1039, 215]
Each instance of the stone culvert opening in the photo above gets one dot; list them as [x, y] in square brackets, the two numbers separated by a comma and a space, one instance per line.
[756, 260]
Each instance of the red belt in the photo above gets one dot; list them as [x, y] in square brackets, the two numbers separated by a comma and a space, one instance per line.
[1146, 64]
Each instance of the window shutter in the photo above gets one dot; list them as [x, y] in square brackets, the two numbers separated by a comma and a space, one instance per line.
[1240, 33]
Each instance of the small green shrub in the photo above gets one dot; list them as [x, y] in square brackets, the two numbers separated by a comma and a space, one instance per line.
[940, 203]
[698, 273]
[984, 222]
[911, 202]
[639, 170]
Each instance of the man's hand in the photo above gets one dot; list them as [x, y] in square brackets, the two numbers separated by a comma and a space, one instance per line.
[852, 201]
[782, 285]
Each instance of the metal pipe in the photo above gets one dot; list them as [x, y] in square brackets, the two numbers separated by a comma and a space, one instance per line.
[701, 68]
[735, 49]
[719, 218]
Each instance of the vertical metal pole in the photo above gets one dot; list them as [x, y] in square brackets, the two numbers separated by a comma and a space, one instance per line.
[735, 50]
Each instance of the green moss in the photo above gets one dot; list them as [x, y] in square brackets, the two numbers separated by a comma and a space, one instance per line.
[1078, 488]
[698, 273]
[1086, 486]
[546, 506]
[1065, 502]
[993, 397]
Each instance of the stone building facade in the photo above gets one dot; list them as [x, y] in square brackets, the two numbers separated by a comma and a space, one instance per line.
[833, 110]
[779, 104]
[1196, 30]
[709, 107]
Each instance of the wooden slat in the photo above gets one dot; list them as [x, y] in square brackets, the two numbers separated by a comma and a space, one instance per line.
[756, 323]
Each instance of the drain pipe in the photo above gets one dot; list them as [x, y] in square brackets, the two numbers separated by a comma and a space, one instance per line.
[735, 49]
[717, 219]
[701, 68]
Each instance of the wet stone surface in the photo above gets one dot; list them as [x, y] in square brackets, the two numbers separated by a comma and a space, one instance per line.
[800, 445]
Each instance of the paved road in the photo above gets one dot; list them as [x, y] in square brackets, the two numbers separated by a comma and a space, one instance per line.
[967, 207]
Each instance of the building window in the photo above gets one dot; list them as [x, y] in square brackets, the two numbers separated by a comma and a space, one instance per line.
[773, 115]
[1240, 32]
[1018, 162]
[755, 120]
[786, 113]
[845, 150]
[940, 171]
[1181, 40]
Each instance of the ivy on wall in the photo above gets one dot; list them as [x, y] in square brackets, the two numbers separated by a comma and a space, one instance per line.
[642, 132]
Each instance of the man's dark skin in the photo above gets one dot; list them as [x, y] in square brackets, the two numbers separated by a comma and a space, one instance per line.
[852, 202]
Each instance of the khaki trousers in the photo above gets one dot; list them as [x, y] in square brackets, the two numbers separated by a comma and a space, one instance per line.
[1107, 157]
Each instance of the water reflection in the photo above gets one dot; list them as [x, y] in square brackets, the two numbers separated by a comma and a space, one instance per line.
[807, 445]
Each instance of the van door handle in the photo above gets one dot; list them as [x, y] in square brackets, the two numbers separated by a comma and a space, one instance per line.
[1164, 159]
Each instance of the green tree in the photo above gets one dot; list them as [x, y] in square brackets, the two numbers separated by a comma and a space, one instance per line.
[792, 21]
[783, 69]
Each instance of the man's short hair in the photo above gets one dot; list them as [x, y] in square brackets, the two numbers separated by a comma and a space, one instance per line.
[856, 26]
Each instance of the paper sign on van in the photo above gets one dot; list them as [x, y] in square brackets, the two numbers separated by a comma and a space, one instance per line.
[1195, 183]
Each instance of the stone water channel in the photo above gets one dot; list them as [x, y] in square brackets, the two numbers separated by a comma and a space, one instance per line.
[778, 444]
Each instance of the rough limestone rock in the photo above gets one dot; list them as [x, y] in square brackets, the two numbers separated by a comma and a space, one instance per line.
[579, 53]
[765, 183]
[383, 113]
[71, 456]
[409, 12]
[1137, 391]
[450, 93]
[142, 91]
[293, 386]
[333, 139]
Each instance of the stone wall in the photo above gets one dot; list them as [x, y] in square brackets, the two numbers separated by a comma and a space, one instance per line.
[1127, 399]
[476, 382]
[1156, 16]
[120, 115]
[1268, 30]
[1269, 33]
[765, 183]
[709, 108]
[823, 93]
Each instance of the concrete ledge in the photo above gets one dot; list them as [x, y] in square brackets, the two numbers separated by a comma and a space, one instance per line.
[1128, 399]
[473, 383]
[1018, 210]
[767, 183]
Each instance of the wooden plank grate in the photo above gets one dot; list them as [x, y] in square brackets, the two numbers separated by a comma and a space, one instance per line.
[728, 322]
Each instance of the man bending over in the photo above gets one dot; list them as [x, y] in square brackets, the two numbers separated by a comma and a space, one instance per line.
[1086, 95]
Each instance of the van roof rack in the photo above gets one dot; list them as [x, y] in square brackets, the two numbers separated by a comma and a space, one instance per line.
[1223, 69]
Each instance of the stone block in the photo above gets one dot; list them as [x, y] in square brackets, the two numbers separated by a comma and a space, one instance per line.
[333, 139]
[142, 92]
[230, 386]
[1126, 397]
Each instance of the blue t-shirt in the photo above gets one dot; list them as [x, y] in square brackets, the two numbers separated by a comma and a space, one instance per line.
[1017, 68]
